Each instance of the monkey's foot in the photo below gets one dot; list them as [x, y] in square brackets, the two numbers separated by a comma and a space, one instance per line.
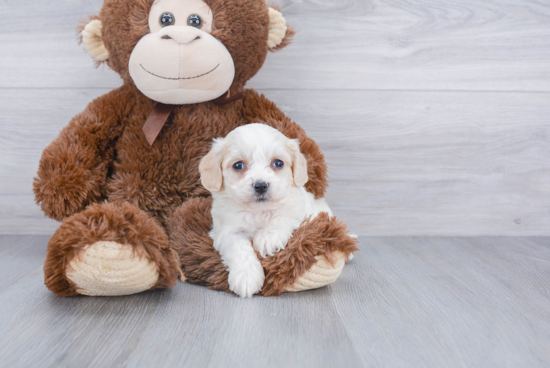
[110, 249]
[110, 268]
[320, 274]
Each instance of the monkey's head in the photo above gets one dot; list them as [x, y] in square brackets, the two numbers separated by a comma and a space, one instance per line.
[185, 51]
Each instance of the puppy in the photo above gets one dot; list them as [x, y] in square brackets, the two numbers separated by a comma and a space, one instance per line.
[257, 177]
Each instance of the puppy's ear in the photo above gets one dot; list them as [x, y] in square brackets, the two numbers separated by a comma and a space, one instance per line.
[299, 163]
[210, 167]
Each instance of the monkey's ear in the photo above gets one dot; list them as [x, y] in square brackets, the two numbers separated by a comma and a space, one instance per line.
[280, 34]
[92, 37]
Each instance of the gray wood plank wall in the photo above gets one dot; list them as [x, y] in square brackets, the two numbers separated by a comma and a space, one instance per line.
[434, 116]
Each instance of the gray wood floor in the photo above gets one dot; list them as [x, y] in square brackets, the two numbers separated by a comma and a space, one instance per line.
[402, 302]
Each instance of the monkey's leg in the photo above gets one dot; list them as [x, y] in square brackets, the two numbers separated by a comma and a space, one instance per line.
[200, 262]
[109, 249]
[314, 256]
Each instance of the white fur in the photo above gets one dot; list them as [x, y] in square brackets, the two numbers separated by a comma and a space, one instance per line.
[237, 214]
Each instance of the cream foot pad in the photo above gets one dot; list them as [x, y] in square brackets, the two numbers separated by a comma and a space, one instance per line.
[320, 274]
[109, 268]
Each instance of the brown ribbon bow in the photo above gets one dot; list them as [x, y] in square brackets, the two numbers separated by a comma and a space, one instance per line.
[158, 117]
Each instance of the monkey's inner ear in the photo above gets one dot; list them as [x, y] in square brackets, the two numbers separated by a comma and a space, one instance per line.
[279, 33]
[93, 40]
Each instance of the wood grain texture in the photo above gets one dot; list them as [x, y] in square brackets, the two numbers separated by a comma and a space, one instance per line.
[420, 163]
[402, 302]
[341, 44]
[433, 116]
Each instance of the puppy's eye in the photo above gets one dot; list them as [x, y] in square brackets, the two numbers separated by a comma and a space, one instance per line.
[278, 164]
[167, 19]
[194, 21]
[238, 166]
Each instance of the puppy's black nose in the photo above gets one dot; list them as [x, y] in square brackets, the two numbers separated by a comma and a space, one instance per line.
[260, 187]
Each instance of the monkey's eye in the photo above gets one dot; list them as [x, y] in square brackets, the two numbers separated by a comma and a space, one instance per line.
[167, 19]
[194, 21]
[238, 166]
[278, 164]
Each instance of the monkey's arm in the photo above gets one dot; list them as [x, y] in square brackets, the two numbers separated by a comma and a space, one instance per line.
[259, 109]
[74, 167]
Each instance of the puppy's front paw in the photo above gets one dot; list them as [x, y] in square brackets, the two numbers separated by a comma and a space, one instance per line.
[269, 242]
[246, 281]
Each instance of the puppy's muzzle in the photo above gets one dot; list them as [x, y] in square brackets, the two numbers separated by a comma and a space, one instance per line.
[260, 187]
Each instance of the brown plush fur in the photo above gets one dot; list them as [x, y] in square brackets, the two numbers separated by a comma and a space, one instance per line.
[74, 168]
[200, 262]
[102, 155]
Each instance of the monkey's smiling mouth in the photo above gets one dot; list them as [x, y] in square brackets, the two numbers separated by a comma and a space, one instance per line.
[197, 76]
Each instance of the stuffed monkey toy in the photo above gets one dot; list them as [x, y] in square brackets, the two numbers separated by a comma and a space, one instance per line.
[123, 175]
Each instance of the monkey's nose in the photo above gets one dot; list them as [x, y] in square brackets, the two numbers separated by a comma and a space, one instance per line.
[260, 187]
[182, 35]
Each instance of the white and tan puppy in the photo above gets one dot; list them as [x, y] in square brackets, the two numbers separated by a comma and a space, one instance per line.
[257, 177]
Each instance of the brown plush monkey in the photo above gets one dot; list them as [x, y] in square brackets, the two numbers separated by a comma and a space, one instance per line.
[135, 216]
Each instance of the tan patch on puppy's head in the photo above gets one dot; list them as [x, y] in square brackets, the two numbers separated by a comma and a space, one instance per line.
[299, 163]
[210, 167]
